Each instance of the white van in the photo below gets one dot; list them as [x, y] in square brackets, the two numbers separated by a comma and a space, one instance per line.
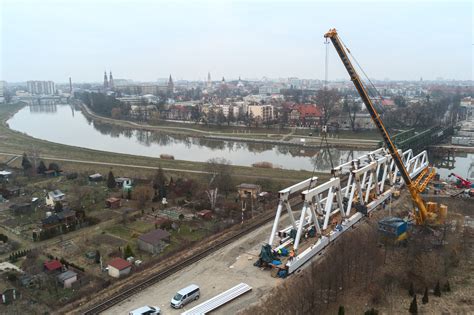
[186, 295]
[146, 310]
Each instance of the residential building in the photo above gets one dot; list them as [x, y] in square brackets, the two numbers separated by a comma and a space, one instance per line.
[154, 242]
[41, 87]
[305, 115]
[139, 100]
[467, 107]
[268, 89]
[388, 103]
[67, 278]
[227, 109]
[54, 196]
[263, 112]
[119, 267]
[362, 121]
[177, 112]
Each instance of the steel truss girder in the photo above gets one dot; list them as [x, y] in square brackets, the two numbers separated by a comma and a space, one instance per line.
[367, 178]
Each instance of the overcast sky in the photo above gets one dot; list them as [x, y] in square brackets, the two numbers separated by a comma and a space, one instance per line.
[146, 40]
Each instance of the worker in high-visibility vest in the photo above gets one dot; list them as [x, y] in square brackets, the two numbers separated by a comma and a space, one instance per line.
[292, 254]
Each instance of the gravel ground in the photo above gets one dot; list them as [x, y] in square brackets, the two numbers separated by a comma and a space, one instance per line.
[214, 274]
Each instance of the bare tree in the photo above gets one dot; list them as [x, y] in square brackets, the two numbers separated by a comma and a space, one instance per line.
[328, 101]
[142, 194]
[351, 108]
[220, 174]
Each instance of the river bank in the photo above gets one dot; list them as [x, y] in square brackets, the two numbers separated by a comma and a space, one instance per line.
[312, 142]
[13, 142]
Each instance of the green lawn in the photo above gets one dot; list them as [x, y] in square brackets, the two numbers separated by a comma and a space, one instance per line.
[121, 232]
[141, 226]
[185, 232]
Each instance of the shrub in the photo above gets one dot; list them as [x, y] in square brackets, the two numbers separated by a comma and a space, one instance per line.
[437, 291]
[262, 165]
[425, 297]
[447, 287]
[166, 157]
[71, 176]
[411, 290]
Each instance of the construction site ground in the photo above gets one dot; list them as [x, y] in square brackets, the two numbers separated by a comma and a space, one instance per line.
[234, 264]
[214, 274]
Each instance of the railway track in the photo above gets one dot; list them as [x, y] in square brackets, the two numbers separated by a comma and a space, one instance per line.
[128, 292]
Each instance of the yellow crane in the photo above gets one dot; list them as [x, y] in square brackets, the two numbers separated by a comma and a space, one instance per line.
[421, 214]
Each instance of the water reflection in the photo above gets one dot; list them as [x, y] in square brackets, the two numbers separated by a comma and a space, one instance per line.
[43, 108]
[68, 125]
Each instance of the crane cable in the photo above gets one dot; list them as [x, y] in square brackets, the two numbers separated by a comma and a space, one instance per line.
[365, 74]
[324, 133]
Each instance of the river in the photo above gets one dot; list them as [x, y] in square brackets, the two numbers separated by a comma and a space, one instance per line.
[67, 125]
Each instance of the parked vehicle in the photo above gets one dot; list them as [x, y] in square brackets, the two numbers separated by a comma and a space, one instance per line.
[186, 295]
[146, 310]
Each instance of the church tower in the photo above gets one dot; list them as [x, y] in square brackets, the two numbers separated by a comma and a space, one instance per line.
[209, 81]
[170, 86]
[106, 82]
[111, 81]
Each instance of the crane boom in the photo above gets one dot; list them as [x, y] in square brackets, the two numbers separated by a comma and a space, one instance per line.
[341, 51]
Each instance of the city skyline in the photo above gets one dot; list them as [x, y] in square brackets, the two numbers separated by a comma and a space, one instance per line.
[144, 41]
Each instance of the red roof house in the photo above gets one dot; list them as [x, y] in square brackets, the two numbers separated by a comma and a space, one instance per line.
[205, 214]
[52, 265]
[388, 103]
[305, 114]
[119, 267]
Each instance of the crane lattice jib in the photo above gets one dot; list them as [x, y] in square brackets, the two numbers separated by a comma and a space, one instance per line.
[332, 35]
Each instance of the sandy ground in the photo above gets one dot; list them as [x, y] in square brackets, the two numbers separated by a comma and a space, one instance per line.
[214, 274]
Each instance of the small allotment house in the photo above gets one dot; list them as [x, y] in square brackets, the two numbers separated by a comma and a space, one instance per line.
[67, 278]
[7, 294]
[248, 190]
[119, 267]
[112, 202]
[52, 266]
[54, 196]
[154, 242]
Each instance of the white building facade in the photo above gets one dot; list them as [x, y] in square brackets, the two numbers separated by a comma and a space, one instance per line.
[41, 87]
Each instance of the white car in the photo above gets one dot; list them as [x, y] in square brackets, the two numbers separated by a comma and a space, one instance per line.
[146, 310]
[186, 295]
